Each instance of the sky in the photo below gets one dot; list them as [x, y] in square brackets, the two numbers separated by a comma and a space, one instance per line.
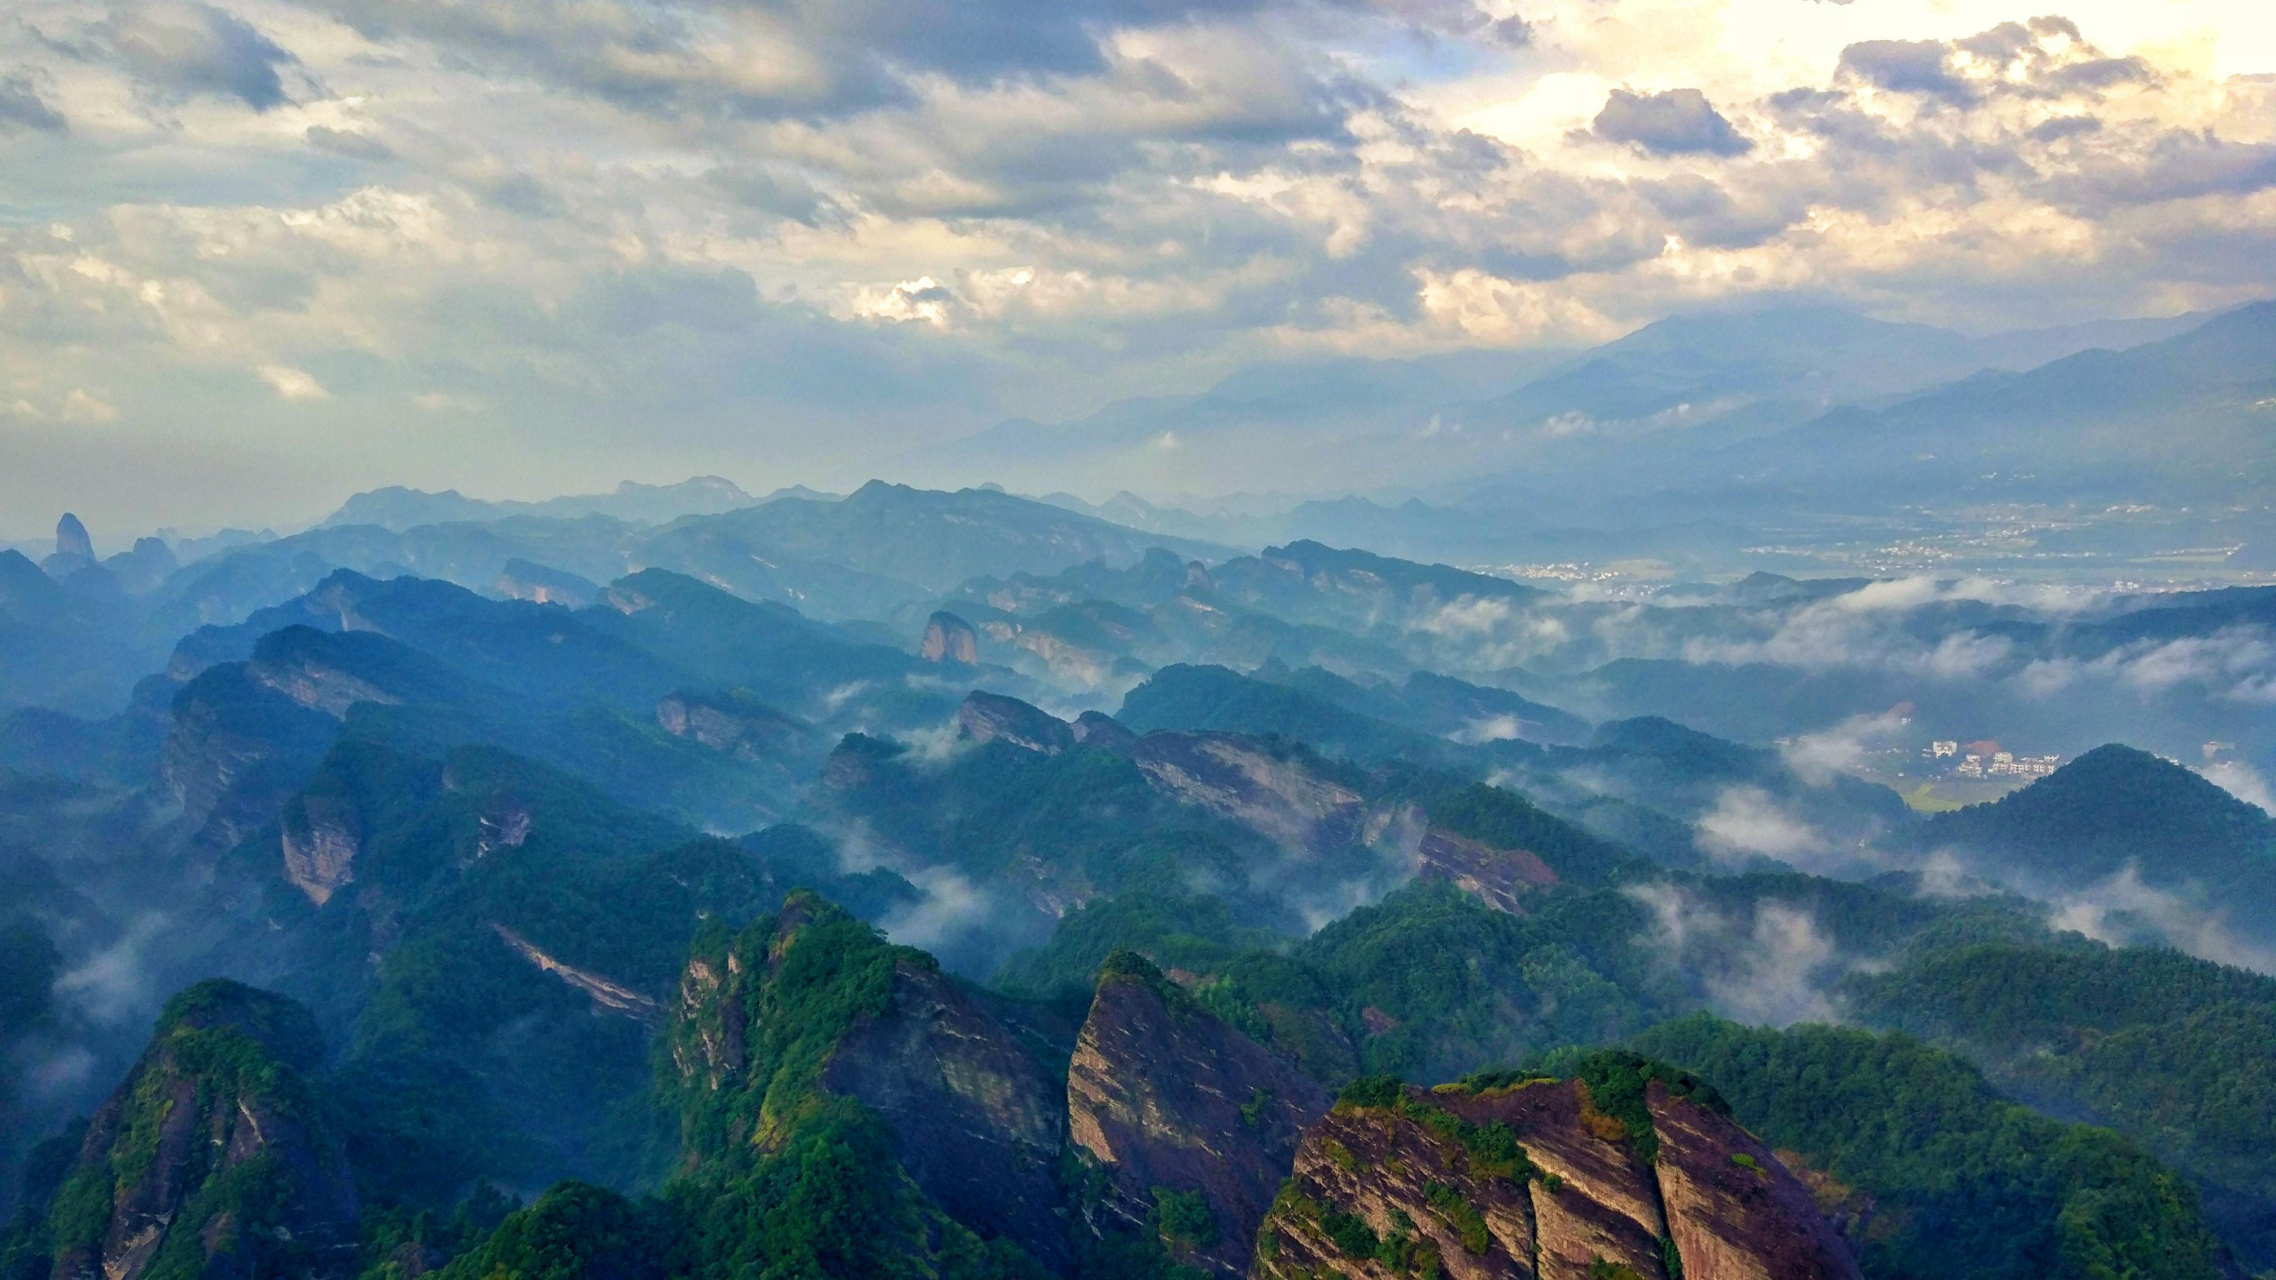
[258, 254]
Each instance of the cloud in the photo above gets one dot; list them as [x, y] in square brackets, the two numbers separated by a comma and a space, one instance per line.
[345, 142]
[1748, 823]
[2120, 911]
[114, 983]
[293, 384]
[2044, 58]
[190, 48]
[2235, 663]
[1771, 966]
[2242, 781]
[21, 107]
[645, 228]
[1906, 66]
[1818, 758]
[1677, 122]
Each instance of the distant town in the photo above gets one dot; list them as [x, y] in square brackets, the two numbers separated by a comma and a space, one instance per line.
[1988, 760]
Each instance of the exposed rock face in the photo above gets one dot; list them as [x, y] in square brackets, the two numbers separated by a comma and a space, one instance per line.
[1098, 729]
[236, 750]
[1732, 1220]
[732, 724]
[1437, 1175]
[607, 995]
[991, 717]
[1606, 1206]
[1237, 779]
[1275, 794]
[527, 580]
[322, 835]
[949, 638]
[71, 539]
[145, 566]
[975, 1119]
[1384, 1171]
[1500, 878]
[1163, 1094]
[230, 1169]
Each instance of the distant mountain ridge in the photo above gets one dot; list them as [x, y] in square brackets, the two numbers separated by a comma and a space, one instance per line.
[399, 508]
[1691, 380]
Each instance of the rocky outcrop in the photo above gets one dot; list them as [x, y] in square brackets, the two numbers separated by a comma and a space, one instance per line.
[949, 638]
[992, 717]
[1237, 778]
[1276, 793]
[1162, 1094]
[1534, 1180]
[215, 1157]
[235, 751]
[1733, 1209]
[322, 835]
[607, 995]
[975, 1119]
[1100, 730]
[733, 724]
[521, 579]
[71, 539]
[1500, 878]
[145, 566]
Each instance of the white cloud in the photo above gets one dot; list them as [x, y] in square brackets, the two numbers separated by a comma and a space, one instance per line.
[293, 384]
[1747, 823]
[1819, 757]
[2242, 781]
[2115, 910]
[792, 235]
[1773, 966]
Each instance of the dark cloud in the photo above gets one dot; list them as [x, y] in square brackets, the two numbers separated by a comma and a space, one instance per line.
[189, 49]
[2044, 58]
[2179, 165]
[1678, 122]
[1513, 32]
[519, 193]
[776, 192]
[1907, 66]
[343, 142]
[849, 55]
[21, 107]
[2062, 127]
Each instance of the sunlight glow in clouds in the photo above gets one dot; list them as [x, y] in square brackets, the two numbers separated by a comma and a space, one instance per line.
[621, 236]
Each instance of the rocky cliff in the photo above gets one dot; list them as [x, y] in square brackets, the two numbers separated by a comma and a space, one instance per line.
[949, 638]
[1170, 1101]
[735, 724]
[1629, 1172]
[812, 1006]
[215, 1157]
[1500, 878]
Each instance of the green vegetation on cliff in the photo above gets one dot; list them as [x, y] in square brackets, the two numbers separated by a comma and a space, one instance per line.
[1966, 1182]
[2172, 1051]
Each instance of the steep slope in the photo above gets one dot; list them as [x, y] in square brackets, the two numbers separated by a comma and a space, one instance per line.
[1172, 1103]
[1936, 1173]
[929, 539]
[491, 941]
[1631, 1169]
[2165, 1048]
[2116, 812]
[2182, 420]
[216, 1157]
[808, 1034]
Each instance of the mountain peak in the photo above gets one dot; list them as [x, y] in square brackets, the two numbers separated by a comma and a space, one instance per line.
[71, 538]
